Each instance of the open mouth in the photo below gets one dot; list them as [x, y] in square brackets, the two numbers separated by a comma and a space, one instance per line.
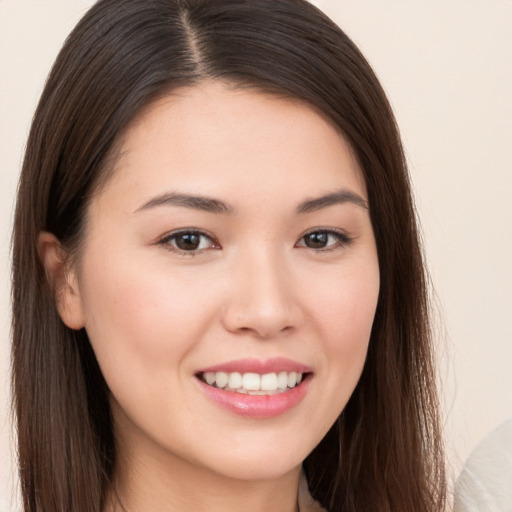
[253, 383]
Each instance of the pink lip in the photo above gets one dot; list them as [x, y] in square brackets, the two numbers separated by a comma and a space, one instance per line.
[257, 406]
[261, 366]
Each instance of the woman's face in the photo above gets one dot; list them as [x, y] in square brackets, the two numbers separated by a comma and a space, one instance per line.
[232, 247]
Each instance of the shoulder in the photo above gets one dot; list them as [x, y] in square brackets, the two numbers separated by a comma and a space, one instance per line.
[484, 483]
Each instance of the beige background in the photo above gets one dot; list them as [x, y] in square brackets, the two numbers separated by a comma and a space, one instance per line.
[447, 67]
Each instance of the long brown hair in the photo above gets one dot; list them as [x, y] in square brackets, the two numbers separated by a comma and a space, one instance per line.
[384, 452]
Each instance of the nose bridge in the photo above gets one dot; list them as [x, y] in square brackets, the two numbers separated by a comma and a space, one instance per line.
[261, 298]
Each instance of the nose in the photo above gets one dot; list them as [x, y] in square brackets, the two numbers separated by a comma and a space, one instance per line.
[262, 298]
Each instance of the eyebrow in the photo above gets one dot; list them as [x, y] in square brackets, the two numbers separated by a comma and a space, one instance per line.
[339, 197]
[211, 205]
[202, 203]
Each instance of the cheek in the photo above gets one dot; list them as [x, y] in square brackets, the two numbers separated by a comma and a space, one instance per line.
[345, 314]
[142, 321]
[142, 326]
[342, 314]
[346, 307]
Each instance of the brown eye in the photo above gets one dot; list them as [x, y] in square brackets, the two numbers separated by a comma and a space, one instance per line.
[188, 241]
[323, 240]
[317, 240]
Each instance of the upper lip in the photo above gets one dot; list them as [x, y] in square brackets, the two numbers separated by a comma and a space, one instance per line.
[261, 366]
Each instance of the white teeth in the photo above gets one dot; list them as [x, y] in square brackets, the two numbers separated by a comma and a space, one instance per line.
[292, 379]
[268, 382]
[235, 380]
[221, 379]
[282, 380]
[253, 383]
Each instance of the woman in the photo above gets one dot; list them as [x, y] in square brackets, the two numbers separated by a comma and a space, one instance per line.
[218, 287]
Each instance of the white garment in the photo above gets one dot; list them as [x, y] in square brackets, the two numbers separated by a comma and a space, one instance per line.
[485, 483]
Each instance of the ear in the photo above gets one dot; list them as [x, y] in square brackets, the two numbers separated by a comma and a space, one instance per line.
[63, 279]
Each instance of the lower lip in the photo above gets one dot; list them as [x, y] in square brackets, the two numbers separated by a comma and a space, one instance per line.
[257, 406]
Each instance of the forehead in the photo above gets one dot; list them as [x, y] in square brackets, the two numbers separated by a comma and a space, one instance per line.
[219, 138]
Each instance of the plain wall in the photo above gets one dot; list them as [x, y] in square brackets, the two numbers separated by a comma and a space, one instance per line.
[446, 67]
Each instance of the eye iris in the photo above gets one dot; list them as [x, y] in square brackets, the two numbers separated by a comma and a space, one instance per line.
[316, 240]
[188, 241]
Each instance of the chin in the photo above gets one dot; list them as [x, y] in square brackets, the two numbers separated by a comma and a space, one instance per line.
[257, 470]
[267, 462]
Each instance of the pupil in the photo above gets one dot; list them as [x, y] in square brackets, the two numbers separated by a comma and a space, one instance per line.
[188, 241]
[317, 240]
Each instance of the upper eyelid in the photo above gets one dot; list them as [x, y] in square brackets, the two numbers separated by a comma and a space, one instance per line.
[182, 231]
[172, 234]
[344, 239]
[332, 231]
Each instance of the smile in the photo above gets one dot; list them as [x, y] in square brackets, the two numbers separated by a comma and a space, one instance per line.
[256, 388]
[253, 383]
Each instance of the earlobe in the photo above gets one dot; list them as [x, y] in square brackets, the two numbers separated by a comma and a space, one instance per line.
[63, 280]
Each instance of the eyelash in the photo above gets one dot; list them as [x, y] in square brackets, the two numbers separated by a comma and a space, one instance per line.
[342, 240]
[166, 241]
